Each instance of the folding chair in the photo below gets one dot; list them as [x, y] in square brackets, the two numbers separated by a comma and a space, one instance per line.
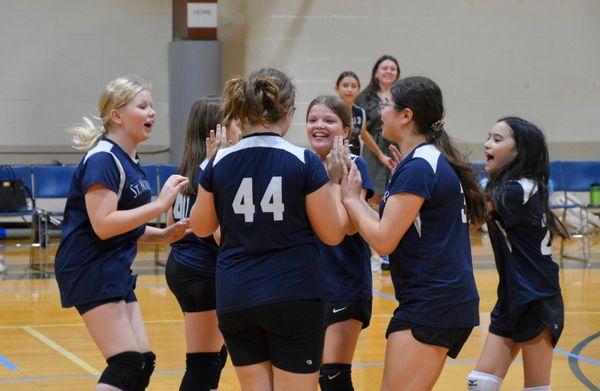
[50, 182]
[576, 176]
[23, 173]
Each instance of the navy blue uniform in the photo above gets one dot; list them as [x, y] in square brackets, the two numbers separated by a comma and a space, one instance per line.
[528, 276]
[193, 252]
[89, 269]
[268, 251]
[347, 266]
[268, 280]
[190, 270]
[358, 119]
[431, 267]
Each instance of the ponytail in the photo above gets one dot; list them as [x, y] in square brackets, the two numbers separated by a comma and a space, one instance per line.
[265, 97]
[86, 135]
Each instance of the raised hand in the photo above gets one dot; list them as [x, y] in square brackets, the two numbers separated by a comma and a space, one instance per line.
[336, 159]
[397, 156]
[216, 140]
[170, 189]
[351, 183]
[177, 231]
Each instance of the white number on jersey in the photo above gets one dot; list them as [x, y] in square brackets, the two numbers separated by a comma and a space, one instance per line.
[180, 208]
[546, 245]
[271, 202]
[463, 214]
[243, 203]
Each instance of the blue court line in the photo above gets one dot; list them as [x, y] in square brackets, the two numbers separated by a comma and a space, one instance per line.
[578, 357]
[574, 362]
[384, 295]
[7, 363]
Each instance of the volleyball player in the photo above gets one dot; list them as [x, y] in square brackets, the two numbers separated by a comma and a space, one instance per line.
[190, 270]
[529, 313]
[423, 225]
[105, 216]
[269, 198]
[346, 267]
[347, 86]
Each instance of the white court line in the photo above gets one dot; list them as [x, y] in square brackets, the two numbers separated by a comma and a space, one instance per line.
[64, 352]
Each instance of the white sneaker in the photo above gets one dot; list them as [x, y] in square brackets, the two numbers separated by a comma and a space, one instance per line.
[2, 267]
[375, 264]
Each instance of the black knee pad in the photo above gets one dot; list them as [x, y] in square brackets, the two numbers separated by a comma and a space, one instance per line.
[336, 377]
[123, 370]
[200, 371]
[223, 359]
[144, 379]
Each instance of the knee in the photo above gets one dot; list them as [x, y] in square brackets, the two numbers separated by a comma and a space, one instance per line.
[123, 370]
[336, 377]
[481, 381]
[202, 371]
[144, 378]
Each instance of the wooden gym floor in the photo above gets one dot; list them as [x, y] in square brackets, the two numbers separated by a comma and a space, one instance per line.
[45, 347]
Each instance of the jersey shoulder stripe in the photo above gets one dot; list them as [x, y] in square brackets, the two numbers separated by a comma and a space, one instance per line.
[529, 188]
[430, 154]
[276, 142]
[105, 146]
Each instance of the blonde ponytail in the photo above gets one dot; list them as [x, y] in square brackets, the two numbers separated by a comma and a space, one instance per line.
[86, 135]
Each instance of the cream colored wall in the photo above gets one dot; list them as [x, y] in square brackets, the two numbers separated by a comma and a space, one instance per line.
[56, 56]
[537, 58]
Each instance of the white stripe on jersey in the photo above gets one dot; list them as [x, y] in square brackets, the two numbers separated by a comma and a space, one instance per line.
[267, 141]
[430, 153]
[105, 146]
[529, 188]
[204, 164]
[417, 224]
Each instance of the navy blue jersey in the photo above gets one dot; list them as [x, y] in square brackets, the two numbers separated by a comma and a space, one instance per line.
[268, 252]
[431, 267]
[522, 250]
[347, 266]
[192, 251]
[87, 267]
[358, 119]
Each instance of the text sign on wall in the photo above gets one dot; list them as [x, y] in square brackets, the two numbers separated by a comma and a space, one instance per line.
[202, 15]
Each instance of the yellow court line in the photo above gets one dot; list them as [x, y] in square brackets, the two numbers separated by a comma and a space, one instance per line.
[53, 345]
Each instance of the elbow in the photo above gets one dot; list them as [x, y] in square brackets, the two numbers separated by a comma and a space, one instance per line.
[200, 230]
[201, 227]
[382, 248]
[102, 233]
[333, 239]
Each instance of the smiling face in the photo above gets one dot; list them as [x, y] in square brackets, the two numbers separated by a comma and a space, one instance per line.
[322, 125]
[137, 117]
[348, 89]
[500, 148]
[386, 74]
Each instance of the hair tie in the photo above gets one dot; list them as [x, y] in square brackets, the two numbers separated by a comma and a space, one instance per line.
[437, 126]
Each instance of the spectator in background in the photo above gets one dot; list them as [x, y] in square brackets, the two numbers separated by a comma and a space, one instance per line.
[385, 73]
